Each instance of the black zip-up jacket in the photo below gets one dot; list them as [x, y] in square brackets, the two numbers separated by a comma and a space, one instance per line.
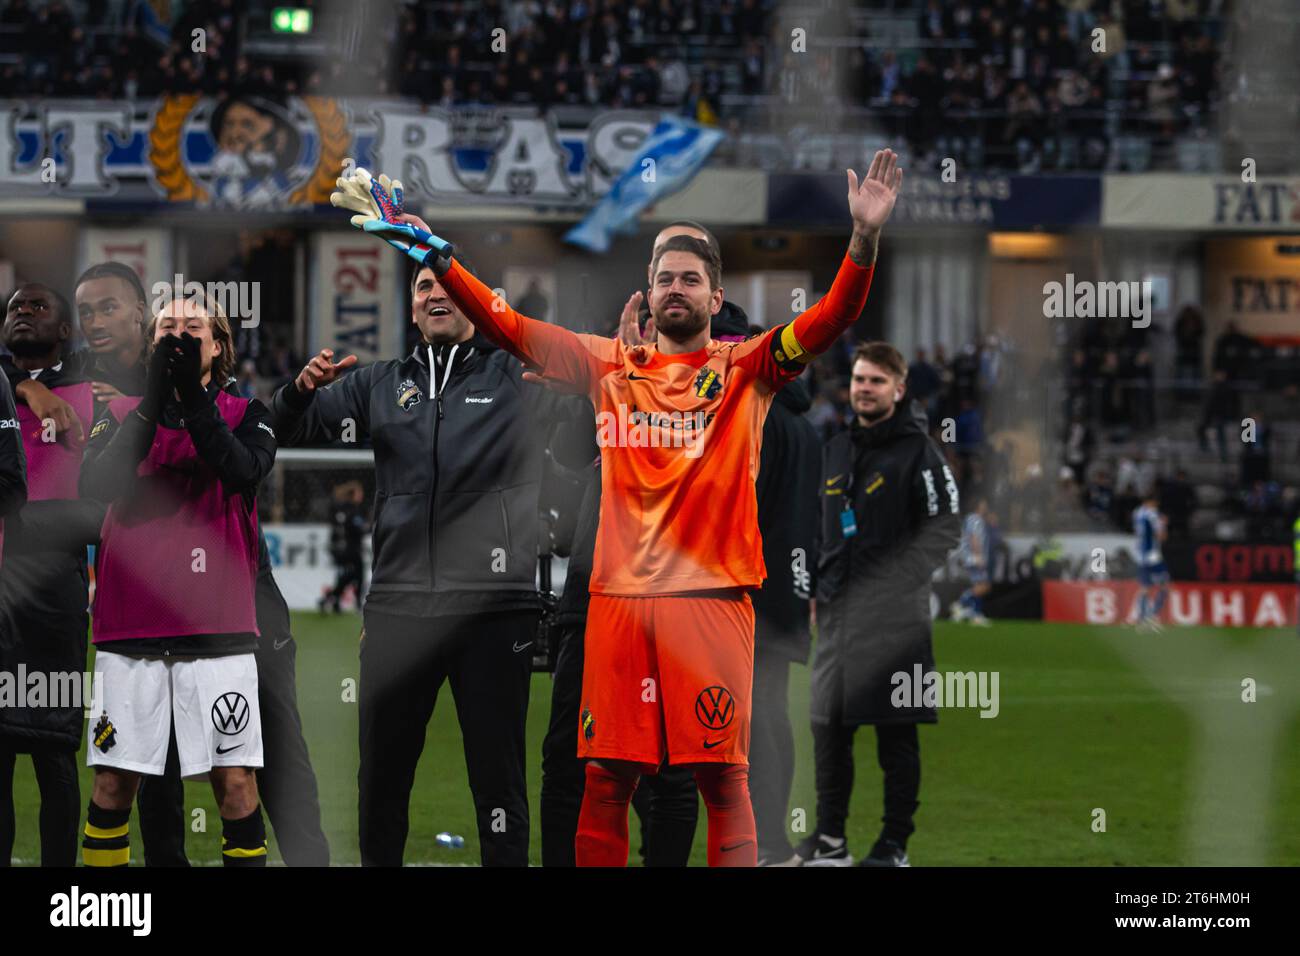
[13, 461]
[458, 465]
[572, 609]
[788, 511]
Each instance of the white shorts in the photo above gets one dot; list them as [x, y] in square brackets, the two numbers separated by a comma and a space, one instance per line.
[212, 701]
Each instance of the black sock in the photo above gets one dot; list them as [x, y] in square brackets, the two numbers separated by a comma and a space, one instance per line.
[108, 837]
[243, 842]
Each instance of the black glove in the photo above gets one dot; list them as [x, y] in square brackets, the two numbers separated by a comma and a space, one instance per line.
[157, 384]
[185, 363]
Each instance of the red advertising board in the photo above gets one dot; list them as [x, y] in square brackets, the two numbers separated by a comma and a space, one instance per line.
[1189, 604]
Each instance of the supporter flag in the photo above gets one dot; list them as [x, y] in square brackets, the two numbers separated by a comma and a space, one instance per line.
[677, 149]
[153, 18]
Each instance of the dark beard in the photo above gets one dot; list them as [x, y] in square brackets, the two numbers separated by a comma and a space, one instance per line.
[679, 330]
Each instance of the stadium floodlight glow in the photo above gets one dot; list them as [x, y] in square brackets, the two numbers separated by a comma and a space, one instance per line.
[291, 20]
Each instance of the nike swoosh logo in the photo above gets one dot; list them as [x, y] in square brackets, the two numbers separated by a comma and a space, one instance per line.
[635, 375]
[226, 750]
[735, 846]
[520, 647]
[710, 746]
[276, 645]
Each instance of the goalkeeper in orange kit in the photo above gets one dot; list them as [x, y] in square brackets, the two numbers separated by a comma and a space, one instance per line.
[670, 630]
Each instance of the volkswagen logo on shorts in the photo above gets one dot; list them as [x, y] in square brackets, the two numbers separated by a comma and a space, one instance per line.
[715, 707]
[230, 713]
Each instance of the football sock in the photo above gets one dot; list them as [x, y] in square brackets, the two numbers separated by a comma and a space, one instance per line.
[602, 823]
[243, 842]
[977, 604]
[1161, 596]
[732, 834]
[107, 840]
[1142, 606]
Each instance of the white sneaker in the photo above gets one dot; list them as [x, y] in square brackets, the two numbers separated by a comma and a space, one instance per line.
[958, 612]
[979, 620]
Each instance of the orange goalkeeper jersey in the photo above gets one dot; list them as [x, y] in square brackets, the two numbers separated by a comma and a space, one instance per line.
[679, 434]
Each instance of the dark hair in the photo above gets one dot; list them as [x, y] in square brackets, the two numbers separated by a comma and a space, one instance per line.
[115, 270]
[884, 355]
[696, 247]
[460, 258]
[709, 237]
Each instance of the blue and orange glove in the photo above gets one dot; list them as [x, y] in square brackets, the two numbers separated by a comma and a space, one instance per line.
[379, 205]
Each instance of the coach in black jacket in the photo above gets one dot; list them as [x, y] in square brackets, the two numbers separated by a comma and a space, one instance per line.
[459, 442]
[889, 517]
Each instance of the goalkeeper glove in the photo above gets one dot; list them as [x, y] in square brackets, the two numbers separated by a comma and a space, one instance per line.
[368, 197]
[424, 247]
[380, 205]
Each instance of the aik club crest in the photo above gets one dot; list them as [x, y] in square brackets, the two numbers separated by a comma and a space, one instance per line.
[105, 734]
[408, 395]
[708, 383]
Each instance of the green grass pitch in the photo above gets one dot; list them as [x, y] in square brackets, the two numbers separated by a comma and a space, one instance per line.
[1150, 729]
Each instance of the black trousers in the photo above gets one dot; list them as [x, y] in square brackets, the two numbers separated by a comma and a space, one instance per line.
[667, 802]
[404, 660]
[771, 751]
[60, 815]
[898, 750]
[286, 784]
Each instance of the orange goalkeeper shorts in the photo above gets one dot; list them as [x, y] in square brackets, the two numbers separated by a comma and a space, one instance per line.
[668, 674]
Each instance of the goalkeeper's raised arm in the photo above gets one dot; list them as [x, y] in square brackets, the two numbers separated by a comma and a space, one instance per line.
[555, 352]
[870, 205]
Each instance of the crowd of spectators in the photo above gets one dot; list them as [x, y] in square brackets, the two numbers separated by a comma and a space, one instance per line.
[1030, 84]
[1216, 413]
[1008, 83]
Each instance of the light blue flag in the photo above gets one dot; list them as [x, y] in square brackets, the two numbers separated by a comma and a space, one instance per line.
[678, 148]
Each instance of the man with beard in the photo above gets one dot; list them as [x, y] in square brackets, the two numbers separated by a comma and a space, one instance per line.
[669, 645]
[43, 590]
[889, 518]
[665, 801]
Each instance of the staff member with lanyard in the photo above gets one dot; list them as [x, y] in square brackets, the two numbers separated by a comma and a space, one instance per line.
[890, 516]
